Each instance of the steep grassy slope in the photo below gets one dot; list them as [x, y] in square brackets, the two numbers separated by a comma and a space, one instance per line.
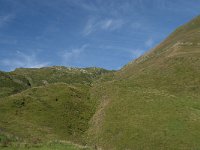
[154, 101]
[54, 110]
[47, 113]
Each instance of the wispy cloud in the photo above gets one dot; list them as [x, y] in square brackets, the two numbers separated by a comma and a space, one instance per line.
[112, 24]
[89, 6]
[90, 27]
[149, 42]
[73, 54]
[136, 25]
[135, 53]
[23, 60]
[95, 24]
[5, 19]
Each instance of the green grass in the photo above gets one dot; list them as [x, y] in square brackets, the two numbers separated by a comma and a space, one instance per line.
[13, 143]
[52, 146]
[56, 111]
[47, 104]
[146, 118]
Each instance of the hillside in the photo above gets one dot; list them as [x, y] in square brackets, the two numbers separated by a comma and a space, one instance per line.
[154, 101]
[53, 105]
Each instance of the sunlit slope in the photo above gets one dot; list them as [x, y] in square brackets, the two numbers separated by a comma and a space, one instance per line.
[154, 101]
[53, 112]
[47, 104]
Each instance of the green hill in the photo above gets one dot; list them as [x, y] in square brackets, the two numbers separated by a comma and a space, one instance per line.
[53, 105]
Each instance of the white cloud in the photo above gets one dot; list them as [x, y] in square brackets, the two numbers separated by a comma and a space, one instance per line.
[136, 25]
[149, 42]
[90, 27]
[95, 24]
[107, 24]
[89, 6]
[136, 52]
[23, 60]
[73, 54]
[133, 53]
[111, 24]
[5, 19]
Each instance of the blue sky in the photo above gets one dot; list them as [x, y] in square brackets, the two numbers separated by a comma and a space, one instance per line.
[85, 33]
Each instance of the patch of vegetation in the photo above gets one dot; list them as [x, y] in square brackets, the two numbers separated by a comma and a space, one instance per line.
[52, 112]
[47, 104]
[43, 146]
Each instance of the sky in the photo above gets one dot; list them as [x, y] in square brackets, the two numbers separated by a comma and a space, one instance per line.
[86, 33]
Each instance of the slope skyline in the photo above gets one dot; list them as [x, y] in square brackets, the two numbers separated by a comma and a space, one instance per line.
[106, 34]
